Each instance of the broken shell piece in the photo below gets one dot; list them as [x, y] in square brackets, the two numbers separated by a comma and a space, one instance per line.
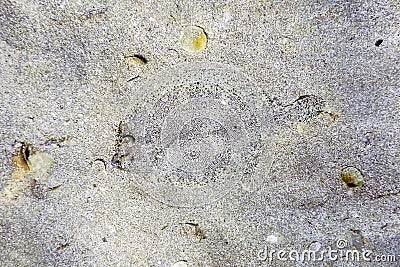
[135, 59]
[193, 39]
[20, 162]
[40, 162]
[180, 264]
[35, 163]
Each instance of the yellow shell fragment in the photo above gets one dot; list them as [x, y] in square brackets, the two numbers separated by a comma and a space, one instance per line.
[352, 177]
[193, 39]
[20, 162]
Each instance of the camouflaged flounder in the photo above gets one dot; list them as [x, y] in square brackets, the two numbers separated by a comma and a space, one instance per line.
[196, 132]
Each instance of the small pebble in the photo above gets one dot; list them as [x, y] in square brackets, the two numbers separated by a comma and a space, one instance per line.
[275, 238]
[315, 246]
